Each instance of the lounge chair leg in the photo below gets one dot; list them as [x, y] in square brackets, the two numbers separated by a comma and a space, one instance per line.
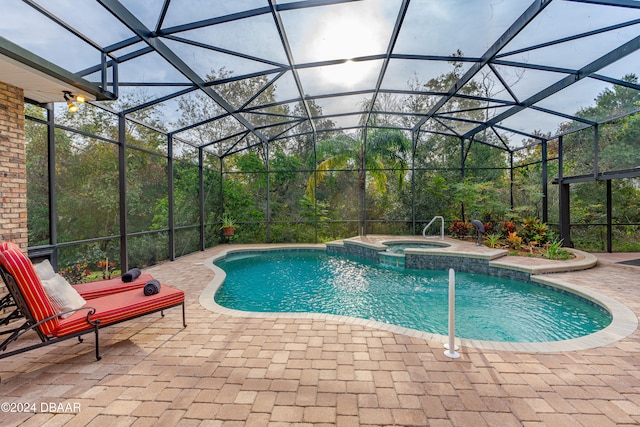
[184, 318]
[162, 313]
[98, 357]
[80, 339]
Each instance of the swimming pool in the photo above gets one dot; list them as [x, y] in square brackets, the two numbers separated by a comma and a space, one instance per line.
[487, 308]
[398, 248]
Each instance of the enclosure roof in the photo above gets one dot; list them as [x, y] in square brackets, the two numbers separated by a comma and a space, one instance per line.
[254, 71]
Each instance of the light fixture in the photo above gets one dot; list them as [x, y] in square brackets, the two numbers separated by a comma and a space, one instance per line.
[70, 98]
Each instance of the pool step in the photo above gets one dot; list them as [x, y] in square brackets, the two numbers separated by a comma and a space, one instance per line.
[391, 259]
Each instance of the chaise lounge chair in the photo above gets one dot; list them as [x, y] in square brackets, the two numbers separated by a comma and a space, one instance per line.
[52, 326]
[89, 290]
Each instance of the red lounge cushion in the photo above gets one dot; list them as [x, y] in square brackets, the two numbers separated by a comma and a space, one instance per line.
[119, 306]
[8, 245]
[20, 267]
[103, 288]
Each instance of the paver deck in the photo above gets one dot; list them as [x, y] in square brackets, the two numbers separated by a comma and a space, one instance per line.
[225, 370]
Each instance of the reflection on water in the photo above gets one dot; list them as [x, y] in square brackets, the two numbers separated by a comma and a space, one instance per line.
[487, 307]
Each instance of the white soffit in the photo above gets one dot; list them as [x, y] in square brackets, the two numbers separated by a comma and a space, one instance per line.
[41, 80]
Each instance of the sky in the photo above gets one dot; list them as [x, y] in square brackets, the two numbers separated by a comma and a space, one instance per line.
[345, 32]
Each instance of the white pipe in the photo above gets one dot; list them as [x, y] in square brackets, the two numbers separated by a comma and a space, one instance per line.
[451, 346]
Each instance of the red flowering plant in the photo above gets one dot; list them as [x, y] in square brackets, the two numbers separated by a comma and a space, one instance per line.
[459, 229]
[508, 227]
[107, 268]
[76, 273]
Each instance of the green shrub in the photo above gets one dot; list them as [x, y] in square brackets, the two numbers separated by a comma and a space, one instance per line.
[554, 251]
[492, 240]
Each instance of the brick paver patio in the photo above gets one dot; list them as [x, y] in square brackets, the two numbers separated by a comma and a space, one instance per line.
[227, 370]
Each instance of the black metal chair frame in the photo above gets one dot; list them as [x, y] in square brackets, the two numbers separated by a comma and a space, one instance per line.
[30, 324]
[7, 302]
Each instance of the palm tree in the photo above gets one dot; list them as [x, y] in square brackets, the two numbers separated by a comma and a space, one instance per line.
[385, 149]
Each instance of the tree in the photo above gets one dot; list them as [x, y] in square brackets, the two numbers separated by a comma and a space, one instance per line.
[87, 178]
[199, 109]
[618, 149]
[439, 159]
[37, 177]
[615, 101]
[385, 149]
[304, 141]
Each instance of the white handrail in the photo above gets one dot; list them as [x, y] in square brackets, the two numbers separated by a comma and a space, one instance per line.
[424, 231]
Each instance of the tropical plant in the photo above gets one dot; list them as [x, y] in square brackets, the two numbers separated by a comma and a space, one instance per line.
[533, 231]
[228, 226]
[540, 235]
[76, 273]
[488, 227]
[228, 221]
[385, 149]
[107, 267]
[507, 227]
[492, 240]
[459, 229]
[553, 250]
[514, 241]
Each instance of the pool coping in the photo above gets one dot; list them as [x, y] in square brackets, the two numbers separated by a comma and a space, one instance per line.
[624, 321]
[495, 256]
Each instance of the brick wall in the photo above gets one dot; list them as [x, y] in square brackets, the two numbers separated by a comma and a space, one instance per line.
[13, 168]
[13, 171]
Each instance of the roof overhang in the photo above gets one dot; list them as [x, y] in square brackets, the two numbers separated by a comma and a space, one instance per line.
[41, 80]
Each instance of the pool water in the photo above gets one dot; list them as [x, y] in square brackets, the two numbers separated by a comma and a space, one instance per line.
[398, 248]
[487, 307]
